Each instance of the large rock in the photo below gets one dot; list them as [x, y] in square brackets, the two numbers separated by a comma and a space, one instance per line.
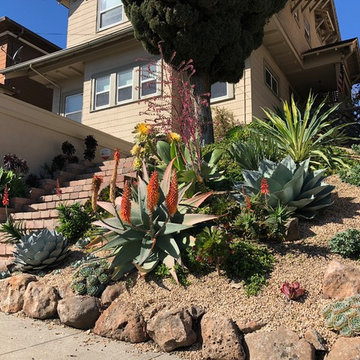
[40, 301]
[111, 293]
[221, 339]
[12, 292]
[292, 231]
[122, 322]
[172, 329]
[341, 281]
[315, 339]
[277, 345]
[80, 312]
[345, 349]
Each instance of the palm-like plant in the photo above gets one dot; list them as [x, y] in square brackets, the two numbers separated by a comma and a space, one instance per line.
[306, 135]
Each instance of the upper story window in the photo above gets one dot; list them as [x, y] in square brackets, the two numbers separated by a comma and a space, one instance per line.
[73, 107]
[307, 30]
[271, 81]
[148, 80]
[125, 85]
[110, 13]
[219, 90]
[102, 91]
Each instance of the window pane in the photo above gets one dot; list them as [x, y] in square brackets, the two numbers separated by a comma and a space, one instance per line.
[125, 78]
[73, 103]
[107, 4]
[148, 88]
[125, 94]
[218, 89]
[148, 72]
[111, 17]
[275, 86]
[75, 116]
[102, 99]
[103, 84]
[268, 77]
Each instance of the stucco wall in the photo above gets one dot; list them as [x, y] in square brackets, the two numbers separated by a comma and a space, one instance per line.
[36, 135]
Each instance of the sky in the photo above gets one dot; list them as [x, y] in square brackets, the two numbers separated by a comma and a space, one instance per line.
[49, 19]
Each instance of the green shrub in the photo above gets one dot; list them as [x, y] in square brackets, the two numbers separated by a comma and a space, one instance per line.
[351, 176]
[346, 244]
[75, 221]
[356, 148]
[249, 263]
[90, 148]
[163, 272]
[223, 121]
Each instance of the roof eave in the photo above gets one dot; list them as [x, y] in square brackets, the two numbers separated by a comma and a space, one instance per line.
[66, 3]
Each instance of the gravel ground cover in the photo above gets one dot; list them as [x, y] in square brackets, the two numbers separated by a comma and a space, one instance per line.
[305, 261]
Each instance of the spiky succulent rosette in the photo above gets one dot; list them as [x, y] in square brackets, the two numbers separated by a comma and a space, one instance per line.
[154, 234]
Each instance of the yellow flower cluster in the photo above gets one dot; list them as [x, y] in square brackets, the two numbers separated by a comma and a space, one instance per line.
[174, 136]
[142, 129]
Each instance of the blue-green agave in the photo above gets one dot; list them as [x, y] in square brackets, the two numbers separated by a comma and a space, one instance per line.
[296, 186]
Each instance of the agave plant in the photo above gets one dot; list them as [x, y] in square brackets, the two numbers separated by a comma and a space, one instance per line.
[302, 190]
[191, 167]
[150, 229]
[40, 250]
[306, 135]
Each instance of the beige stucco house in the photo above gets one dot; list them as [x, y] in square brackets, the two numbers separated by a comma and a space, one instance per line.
[98, 79]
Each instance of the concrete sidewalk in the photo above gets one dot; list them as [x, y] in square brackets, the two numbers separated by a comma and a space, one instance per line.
[28, 339]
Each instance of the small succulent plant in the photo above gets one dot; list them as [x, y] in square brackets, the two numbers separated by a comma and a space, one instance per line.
[91, 279]
[344, 316]
[4, 274]
[292, 291]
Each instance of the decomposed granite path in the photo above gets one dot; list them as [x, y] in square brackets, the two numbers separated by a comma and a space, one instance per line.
[27, 339]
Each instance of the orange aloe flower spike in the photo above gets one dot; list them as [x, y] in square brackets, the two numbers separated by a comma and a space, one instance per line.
[125, 209]
[173, 196]
[153, 191]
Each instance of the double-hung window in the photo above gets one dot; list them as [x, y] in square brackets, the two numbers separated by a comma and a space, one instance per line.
[110, 13]
[271, 81]
[219, 90]
[124, 85]
[102, 91]
[148, 80]
[73, 107]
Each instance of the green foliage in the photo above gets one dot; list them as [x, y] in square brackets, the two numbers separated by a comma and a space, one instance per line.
[224, 121]
[249, 263]
[40, 250]
[211, 246]
[90, 148]
[13, 231]
[356, 148]
[15, 183]
[344, 316]
[91, 278]
[74, 220]
[346, 244]
[163, 272]
[259, 221]
[304, 136]
[153, 237]
[201, 171]
[248, 154]
[291, 184]
[332, 165]
[351, 176]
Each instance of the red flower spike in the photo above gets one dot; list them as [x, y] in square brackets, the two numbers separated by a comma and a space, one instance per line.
[117, 155]
[125, 209]
[264, 187]
[292, 291]
[5, 199]
[173, 196]
[248, 202]
[153, 191]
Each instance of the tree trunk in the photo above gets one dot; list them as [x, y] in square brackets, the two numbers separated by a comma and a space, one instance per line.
[202, 90]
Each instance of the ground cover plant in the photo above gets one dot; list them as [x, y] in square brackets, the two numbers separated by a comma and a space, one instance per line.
[346, 244]
[351, 175]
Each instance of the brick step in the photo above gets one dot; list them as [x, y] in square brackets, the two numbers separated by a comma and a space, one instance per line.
[36, 215]
[53, 204]
[5, 249]
[38, 222]
[78, 193]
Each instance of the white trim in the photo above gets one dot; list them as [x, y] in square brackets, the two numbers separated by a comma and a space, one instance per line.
[102, 92]
[124, 87]
[150, 79]
[273, 78]
[229, 94]
[100, 12]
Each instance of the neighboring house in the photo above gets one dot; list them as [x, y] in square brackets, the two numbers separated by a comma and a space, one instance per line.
[98, 79]
[18, 44]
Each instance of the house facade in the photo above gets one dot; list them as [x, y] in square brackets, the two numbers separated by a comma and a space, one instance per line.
[18, 44]
[101, 78]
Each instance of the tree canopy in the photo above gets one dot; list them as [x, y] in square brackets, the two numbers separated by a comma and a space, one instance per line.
[218, 35]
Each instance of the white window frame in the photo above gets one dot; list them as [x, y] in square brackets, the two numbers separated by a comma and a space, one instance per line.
[65, 114]
[102, 92]
[100, 12]
[142, 81]
[125, 86]
[273, 79]
[229, 94]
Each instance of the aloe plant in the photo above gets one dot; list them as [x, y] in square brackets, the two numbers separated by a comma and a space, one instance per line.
[291, 184]
[149, 225]
[306, 135]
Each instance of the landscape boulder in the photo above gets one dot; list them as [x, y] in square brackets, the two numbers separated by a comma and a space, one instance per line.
[221, 339]
[341, 281]
[315, 339]
[12, 292]
[345, 349]
[172, 329]
[111, 293]
[80, 312]
[40, 301]
[279, 344]
[292, 231]
[122, 322]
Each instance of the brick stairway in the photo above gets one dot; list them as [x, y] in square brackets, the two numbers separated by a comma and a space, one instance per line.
[75, 186]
